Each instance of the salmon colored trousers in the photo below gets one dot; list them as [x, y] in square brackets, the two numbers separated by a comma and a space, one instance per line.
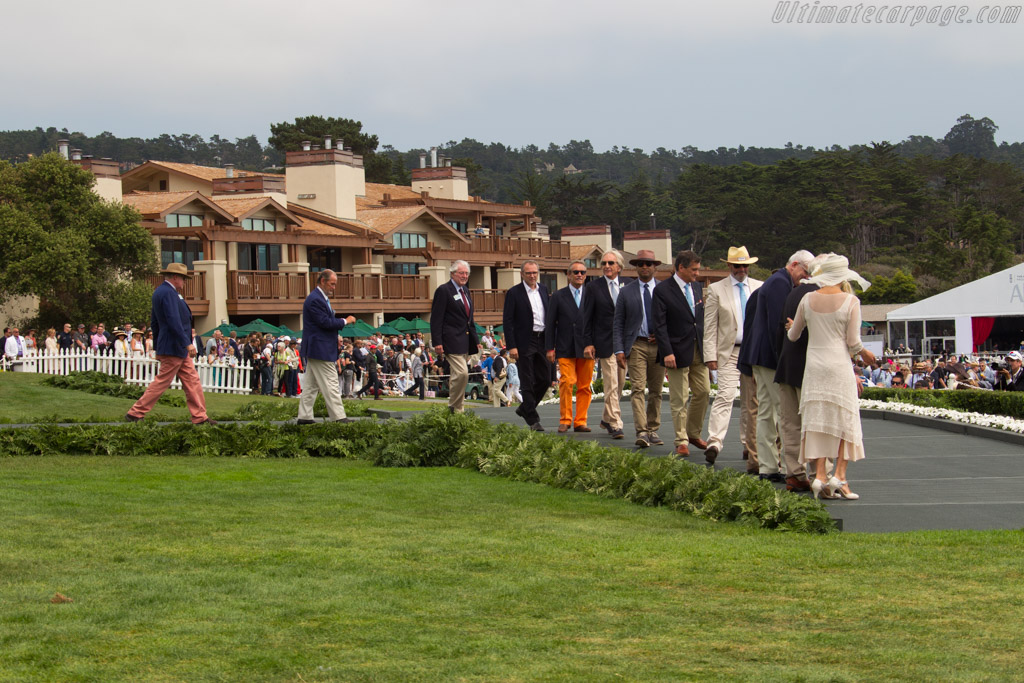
[578, 371]
[185, 370]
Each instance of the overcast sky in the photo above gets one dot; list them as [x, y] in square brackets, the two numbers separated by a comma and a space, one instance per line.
[639, 73]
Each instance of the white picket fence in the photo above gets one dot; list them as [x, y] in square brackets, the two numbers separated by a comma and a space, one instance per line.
[139, 370]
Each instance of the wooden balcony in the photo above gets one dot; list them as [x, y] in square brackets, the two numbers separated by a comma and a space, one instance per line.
[252, 292]
[194, 291]
[246, 285]
[491, 249]
[488, 305]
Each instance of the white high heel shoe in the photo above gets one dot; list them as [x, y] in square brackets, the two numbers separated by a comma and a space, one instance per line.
[844, 492]
[821, 489]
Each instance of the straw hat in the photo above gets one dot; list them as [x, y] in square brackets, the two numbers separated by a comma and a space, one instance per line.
[176, 269]
[644, 255]
[739, 256]
[118, 332]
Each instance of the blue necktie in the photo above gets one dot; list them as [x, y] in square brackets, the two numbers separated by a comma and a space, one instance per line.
[576, 295]
[647, 308]
[689, 296]
[743, 300]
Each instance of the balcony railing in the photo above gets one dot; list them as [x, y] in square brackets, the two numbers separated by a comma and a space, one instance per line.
[488, 300]
[195, 286]
[513, 246]
[266, 284]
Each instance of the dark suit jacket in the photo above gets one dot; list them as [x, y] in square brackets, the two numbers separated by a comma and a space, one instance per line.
[599, 315]
[563, 328]
[319, 329]
[769, 325]
[679, 330]
[629, 315]
[449, 325]
[793, 358]
[517, 318]
[743, 361]
[171, 320]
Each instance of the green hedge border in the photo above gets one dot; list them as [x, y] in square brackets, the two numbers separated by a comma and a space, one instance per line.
[437, 438]
[1008, 403]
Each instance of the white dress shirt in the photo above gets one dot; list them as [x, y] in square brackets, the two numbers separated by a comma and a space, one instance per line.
[538, 307]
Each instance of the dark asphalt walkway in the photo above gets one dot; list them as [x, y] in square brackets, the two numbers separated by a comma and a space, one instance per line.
[914, 476]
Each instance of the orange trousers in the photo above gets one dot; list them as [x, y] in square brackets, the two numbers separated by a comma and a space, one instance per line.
[578, 371]
[171, 367]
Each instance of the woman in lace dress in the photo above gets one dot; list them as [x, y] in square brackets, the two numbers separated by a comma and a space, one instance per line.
[829, 411]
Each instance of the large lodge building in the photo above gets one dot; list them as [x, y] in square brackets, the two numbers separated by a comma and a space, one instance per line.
[255, 241]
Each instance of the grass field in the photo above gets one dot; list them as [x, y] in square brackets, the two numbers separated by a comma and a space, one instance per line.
[25, 399]
[215, 569]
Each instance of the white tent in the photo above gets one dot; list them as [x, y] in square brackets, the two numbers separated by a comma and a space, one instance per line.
[946, 318]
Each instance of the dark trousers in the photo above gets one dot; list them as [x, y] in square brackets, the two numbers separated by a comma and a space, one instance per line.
[267, 375]
[534, 375]
[254, 379]
[417, 386]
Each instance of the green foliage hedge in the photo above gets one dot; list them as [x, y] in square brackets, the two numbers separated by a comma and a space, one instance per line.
[1009, 403]
[436, 439]
[103, 384]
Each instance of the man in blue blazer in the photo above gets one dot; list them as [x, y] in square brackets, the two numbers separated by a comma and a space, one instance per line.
[637, 348]
[765, 340]
[679, 329]
[171, 320]
[453, 332]
[599, 296]
[524, 320]
[319, 350]
[564, 341]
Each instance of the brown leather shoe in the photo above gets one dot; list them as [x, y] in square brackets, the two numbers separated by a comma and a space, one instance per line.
[562, 429]
[682, 451]
[699, 443]
[746, 454]
[797, 484]
[207, 421]
[584, 428]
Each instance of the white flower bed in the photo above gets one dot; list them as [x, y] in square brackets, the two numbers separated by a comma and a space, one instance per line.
[995, 421]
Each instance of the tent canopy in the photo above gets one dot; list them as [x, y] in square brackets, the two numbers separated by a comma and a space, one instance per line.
[999, 294]
[261, 326]
[225, 329]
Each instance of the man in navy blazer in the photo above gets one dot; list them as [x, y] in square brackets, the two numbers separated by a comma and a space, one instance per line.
[564, 340]
[765, 340]
[636, 346]
[453, 332]
[599, 296]
[679, 329]
[319, 350]
[524, 320]
[171, 320]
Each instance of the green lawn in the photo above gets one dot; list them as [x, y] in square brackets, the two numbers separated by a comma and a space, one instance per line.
[326, 570]
[25, 399]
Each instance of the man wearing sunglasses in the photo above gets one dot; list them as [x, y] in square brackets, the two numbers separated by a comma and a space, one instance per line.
[724, 308]
[599, 297]
[563, 336]
[635, 346]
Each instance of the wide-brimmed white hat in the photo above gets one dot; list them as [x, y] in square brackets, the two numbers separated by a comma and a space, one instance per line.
[835, 270]
[739, 256]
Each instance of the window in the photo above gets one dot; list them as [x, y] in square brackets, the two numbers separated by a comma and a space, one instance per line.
[183, 220]
[409, 240]
[259, 256]
[549, 280]
[180, 251]
[461, 226]
[590, 262]
[259, 224]
[939, 328]
[324, 259]
[403, 268]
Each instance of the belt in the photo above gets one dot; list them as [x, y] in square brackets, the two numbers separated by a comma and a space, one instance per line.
[643, 339]
[538, 334]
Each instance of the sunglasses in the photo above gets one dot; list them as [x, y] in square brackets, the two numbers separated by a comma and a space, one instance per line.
[740, 265]
[609, 263]
[578, 272]
[645, 264]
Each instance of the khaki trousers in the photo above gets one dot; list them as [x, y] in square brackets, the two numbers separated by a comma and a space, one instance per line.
[767, 420]
[497, 396]
[645, 372]
[748, 419]
[789, 421]
[459, 365]
[613, 378]
[579, 372]
[721, 408]
[321, 378]
[688, 408]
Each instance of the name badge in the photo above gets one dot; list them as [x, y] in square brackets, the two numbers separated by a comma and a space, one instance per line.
[457, 297]
[181, 297]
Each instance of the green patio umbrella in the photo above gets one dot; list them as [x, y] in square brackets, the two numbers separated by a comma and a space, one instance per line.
[402, 324]
[225, 329]
[261, 326]
[388, 330]
[356, 329]
[417, 325]
[290, 332]
[480, 329]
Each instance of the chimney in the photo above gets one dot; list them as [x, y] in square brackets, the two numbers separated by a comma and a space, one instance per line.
[448, 162]
[316, 148]
[340, 146]
[305, 145]
[327, 142]
[62, 147]
[423, 160]
[433, 157]
[229, 170]
[76, 155]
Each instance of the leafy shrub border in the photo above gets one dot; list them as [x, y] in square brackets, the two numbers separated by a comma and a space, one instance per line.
[1005, 403]
[437, 438]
